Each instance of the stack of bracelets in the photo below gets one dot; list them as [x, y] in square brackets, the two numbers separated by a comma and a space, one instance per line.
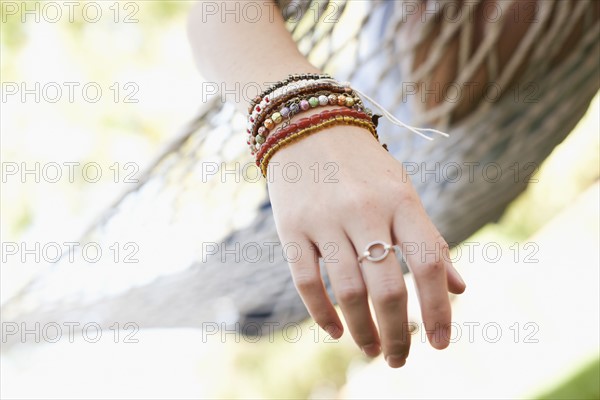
[269, 115]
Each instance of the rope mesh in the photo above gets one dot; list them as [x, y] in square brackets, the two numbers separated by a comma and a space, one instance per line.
[372, 44]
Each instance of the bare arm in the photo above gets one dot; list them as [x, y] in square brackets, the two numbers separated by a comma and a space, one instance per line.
[232, 49]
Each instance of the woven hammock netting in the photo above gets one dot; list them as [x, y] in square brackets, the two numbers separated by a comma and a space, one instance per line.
[177, 213]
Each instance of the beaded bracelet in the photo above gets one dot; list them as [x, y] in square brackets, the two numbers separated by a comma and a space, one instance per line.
[325, 78]
[303, 103]
[307, 131]
[294, 78]
[290, 78]
[290, 87]
[255, 122]
[301, 92]
[312, 120]
[268, 102]
[337, 120]
[299, 104]
[276, 94]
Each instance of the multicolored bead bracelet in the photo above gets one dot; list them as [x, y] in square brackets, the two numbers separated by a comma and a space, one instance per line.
[298, 105]
[343, 95]
[257, 118]
[289, 79]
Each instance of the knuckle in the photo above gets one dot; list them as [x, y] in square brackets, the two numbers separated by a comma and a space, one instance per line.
[351, 295]
[431, 268]
[306, 282]
[391, 294]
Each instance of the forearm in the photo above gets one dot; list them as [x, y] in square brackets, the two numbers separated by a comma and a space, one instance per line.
[235, 51]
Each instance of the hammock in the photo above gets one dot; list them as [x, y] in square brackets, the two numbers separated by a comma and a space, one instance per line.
[181, 281]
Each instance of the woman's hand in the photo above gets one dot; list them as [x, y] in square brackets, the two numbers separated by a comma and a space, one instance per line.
[371, 200]
[362, 195]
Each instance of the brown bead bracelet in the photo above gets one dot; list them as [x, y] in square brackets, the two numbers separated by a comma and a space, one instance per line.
[274, 105]
[299, 104]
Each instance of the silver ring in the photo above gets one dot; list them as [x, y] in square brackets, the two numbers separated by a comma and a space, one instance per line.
[367, 253]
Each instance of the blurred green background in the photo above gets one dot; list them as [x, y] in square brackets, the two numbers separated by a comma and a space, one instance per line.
[153, 53]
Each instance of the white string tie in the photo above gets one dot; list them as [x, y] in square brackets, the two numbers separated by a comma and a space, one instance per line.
[390, 116]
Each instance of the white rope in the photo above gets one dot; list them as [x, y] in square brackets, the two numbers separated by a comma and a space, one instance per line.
[389, 115]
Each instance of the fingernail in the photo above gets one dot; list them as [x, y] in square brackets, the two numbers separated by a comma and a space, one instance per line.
[371, 350]
[440, 337]
[334, 331]
[395, 361]
[460, 279]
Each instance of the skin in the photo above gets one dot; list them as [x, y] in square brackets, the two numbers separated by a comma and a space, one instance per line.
[373, 198]
[372, 187]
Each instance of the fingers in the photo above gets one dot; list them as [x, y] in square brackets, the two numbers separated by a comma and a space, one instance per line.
[385, 283]
[350, 291]
[426, 254]
[307, 279]
[381, 280]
